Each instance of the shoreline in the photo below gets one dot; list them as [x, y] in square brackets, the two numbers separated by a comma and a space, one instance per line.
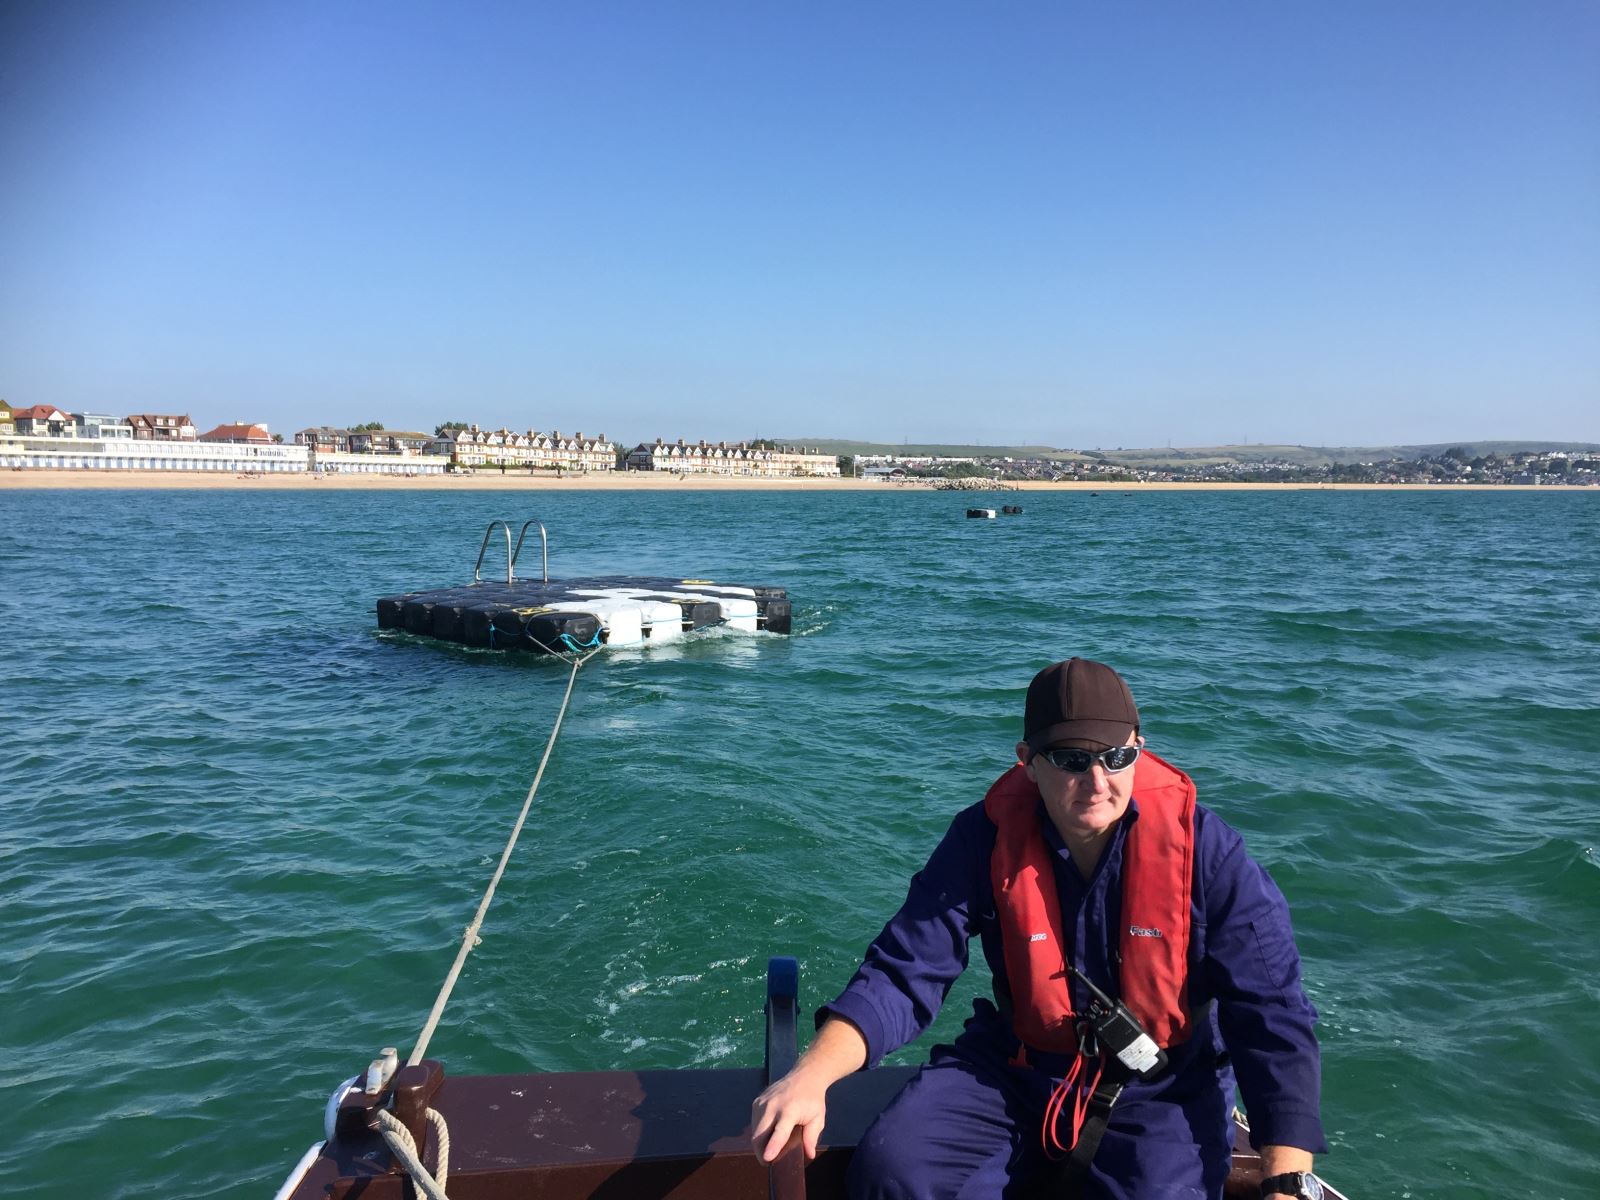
[37, 480]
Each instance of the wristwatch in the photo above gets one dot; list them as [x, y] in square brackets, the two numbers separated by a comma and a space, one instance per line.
[1302, 1185]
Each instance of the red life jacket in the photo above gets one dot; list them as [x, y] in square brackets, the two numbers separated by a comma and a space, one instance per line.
[1157, 866]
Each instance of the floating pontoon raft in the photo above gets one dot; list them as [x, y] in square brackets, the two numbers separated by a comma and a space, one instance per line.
[557, 615]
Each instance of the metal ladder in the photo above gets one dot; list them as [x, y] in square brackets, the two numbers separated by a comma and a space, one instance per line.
[512, 554]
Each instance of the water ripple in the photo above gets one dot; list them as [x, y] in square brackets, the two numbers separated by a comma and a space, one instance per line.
[248, 828]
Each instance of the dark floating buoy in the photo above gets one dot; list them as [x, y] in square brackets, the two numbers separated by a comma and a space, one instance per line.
[981, 513]
[1011, 510]
[554, 615]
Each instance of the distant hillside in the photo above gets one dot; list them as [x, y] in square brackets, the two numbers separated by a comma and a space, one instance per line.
[1197, 456]
[1322, 456]
[1488, 448]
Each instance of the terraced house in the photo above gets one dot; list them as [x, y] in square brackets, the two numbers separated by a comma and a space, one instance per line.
[719, 458]
[474, 447]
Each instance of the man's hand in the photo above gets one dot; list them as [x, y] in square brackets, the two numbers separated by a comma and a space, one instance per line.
[797, 1101]
[800, 1099]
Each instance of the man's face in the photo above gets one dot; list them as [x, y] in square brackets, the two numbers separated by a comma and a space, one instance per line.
[1083, 804]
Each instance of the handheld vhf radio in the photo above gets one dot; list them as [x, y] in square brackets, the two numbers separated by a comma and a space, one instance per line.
[1119, 1031]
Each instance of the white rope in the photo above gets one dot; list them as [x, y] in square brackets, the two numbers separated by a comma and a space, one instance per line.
[470, 939]
[401, 1144]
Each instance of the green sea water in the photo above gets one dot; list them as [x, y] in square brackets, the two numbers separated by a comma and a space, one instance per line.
[242, 830]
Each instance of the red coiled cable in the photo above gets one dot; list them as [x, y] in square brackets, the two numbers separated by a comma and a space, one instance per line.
[1053, 1147]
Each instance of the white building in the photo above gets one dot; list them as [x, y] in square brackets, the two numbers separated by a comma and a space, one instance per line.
[139, 454]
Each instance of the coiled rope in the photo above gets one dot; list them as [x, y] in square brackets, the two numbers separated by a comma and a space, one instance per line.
[395, 1135]
[400, 1143]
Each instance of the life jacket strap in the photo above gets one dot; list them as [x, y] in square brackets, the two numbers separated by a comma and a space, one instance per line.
[1101, 1101]
[1068, 1175]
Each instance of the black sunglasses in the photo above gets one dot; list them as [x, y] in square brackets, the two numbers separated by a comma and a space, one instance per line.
[1076, 762]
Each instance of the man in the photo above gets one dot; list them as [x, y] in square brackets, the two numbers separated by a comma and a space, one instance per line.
[1088, 863]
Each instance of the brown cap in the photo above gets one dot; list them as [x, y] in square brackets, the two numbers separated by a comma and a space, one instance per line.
[1078, 700]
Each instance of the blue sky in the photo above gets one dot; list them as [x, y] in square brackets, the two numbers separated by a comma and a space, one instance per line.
[1076, 225]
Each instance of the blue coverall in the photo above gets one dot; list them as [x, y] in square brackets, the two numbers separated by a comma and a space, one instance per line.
[969, 1124]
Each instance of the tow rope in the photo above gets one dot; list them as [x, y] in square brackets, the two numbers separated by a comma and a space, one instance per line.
[470, 938]
[395, 1135]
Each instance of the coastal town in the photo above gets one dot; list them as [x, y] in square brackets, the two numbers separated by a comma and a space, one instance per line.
[43, 437]
[49, 438]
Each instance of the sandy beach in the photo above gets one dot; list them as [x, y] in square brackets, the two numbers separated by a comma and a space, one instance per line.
[28, 480]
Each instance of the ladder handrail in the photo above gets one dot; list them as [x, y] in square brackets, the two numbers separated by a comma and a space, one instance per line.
[544, 545]
[510, 558]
